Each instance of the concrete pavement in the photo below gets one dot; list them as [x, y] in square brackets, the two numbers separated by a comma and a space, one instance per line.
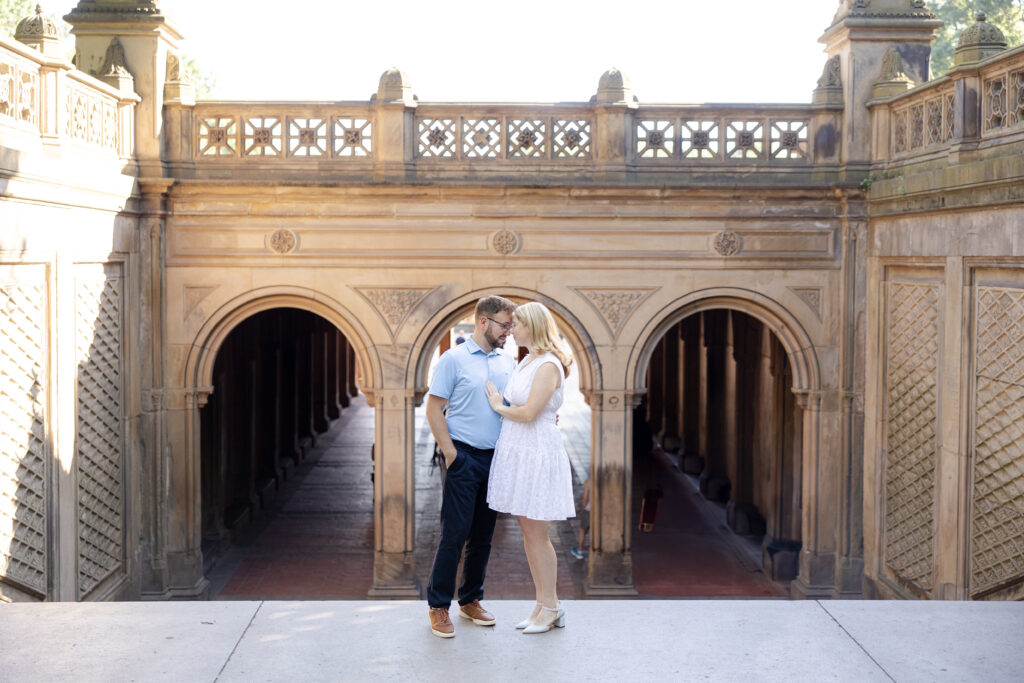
[648, 640]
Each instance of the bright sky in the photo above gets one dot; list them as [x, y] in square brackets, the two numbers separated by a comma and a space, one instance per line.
[520, 51]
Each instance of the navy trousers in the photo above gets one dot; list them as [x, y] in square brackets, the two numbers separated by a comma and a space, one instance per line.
[466, 520]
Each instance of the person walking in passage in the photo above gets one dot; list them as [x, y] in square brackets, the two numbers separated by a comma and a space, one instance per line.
[530, 475]
[466, 437]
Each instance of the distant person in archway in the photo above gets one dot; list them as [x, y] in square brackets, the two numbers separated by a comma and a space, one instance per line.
[466, 435]
[530, 476]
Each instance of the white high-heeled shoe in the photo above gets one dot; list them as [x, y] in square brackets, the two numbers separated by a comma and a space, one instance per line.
[558, 622]
[526, 622]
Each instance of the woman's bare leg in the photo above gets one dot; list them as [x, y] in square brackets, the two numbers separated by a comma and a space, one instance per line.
[533, 573]
[543, 565]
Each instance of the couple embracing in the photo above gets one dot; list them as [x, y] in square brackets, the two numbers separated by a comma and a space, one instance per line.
[503, 453]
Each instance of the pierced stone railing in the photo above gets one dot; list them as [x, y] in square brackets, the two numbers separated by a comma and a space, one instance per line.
[490, 137]
[981, 103]
[723, 133]
[226, 130]
[1002, 96]
[49, 98]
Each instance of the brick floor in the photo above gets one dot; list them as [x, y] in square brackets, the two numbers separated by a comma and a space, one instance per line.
[316, 539]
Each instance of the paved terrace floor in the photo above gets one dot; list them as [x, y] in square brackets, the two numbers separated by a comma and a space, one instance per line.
[316, 539]
[635, 640]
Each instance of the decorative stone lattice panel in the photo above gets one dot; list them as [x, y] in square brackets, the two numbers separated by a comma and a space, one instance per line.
[99, 449]
[91, 117]
[502, 138]
[19, 91]
[23, 481]
[997, 520]
[615, 305]
[912, 333]
[923, 122]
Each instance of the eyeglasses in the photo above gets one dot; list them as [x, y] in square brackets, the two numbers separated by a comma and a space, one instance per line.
[505, 326]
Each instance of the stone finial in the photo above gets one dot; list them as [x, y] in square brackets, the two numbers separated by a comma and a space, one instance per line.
[177, 86]
[114, 61]
[614, 88]
[40, 32]
[830, 84]
[115, 67]
[892, 79]
[395, 87]
[978, 41]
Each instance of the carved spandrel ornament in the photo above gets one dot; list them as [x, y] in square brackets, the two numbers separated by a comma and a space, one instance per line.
[615, 305]
[394, 304]
[810, 296]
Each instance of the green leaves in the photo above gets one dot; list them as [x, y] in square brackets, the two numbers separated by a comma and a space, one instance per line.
[1008, 15]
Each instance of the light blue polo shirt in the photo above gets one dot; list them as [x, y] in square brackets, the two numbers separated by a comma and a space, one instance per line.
[460, 377]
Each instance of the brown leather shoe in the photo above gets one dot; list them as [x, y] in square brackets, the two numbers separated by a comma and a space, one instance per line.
[440, 625]
[476, 613]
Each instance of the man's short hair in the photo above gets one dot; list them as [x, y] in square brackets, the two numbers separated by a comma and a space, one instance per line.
[491, 305]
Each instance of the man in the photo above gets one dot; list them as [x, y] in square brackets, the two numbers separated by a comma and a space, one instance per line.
[466, 437]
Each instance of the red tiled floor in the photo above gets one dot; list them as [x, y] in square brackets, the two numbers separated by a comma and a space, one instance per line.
[690, 552]
[317, 541]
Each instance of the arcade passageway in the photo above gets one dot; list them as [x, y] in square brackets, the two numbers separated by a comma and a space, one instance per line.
[716, 457]
[288, 467]
[280, 378]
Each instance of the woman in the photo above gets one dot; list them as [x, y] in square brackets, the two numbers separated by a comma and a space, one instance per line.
[530, 475]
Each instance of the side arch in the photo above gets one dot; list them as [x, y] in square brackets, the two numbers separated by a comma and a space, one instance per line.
[210, 337]
[576, 334]
[794, 338]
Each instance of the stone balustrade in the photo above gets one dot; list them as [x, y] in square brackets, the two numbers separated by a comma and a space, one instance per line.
[49, 99]
[490, 140]
[979, 103]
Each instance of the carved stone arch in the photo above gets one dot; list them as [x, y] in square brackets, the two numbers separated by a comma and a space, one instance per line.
[216, 328]
[578, 336]
[783, 324]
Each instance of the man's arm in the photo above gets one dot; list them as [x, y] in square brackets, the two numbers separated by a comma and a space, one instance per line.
[439, 427]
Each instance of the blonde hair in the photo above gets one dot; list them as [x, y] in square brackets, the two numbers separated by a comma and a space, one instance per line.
[544, 332]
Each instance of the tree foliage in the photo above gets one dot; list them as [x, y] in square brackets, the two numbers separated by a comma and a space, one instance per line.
[13, 11]
[1008, 15]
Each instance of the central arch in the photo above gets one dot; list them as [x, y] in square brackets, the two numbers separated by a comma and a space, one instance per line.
[436, 327]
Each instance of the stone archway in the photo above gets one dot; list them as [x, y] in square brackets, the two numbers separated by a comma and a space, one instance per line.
[183, 490]
[734, 331]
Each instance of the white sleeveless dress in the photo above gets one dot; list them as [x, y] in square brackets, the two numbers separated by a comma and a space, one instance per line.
[530, 472]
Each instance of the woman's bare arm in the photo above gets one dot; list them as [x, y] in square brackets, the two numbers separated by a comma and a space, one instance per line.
[544, 384]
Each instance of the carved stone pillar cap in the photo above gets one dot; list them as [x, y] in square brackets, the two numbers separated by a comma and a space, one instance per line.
[39, 31]
[614, 88]
[394, 86]
[979, 41]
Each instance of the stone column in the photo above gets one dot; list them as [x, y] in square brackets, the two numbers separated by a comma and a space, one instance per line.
[319, 376]
[714, 480]
[394, 498]
[656, 390]
[817, 556]
[781, 547]
[304, 377]
[692, 349]
[345, 372]
[672, 381]
[331, 374]
[610, 572]
[353, 367]
[742, 513]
